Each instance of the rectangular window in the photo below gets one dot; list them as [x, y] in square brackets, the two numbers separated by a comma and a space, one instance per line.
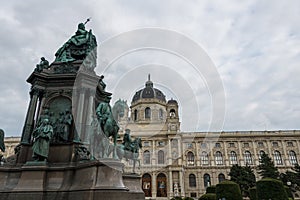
[161, 143]
[290, 144]
[218, 145]
[231, 144]
[189, 145]
[146, 144]
[260, 144]
[275, 144]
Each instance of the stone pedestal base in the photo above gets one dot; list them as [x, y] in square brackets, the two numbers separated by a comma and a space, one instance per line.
[88, 180]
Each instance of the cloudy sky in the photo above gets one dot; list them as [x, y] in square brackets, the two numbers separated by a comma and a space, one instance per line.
[252, 47]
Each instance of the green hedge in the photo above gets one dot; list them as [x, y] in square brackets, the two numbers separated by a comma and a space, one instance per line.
[188, 198]
[209, 196]
[252, 193]
[268, 188]
[211, 189]
[229, 190]
[176, 198]
[289, 192]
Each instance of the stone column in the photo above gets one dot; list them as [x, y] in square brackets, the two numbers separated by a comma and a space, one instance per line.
[152, 161]
[153, 188]
[170, 184]
[241, 157]
[180, 152]
[270, 153]
[79, 114]
[169, 152]
[197, 156]
[29, 122]
[181, 181]
[226, 161]
[90, 113]
[41, 100]
[256, 159]
[284, 156]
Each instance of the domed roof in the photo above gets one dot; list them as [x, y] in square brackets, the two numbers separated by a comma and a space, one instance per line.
[149, 92]
[172, 101]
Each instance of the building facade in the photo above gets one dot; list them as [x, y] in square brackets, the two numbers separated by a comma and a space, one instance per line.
[176, 163]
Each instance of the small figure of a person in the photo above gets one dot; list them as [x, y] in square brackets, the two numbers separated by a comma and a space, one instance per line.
[42, 136]
[101, 83]
[68, 119]
[44, 64]
[60, 127]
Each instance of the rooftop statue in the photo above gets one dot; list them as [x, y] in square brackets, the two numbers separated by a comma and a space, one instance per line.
[2, 146]
[78, 46]
[44, 64]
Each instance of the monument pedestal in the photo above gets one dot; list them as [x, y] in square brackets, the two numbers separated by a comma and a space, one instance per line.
[86, 180]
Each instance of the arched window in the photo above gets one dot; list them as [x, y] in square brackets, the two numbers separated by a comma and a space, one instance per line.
[161, 180]
[190, 158]
[172, 113]
[146, 185]
[248, 158]
[192, 180]
[221, 177]
[161, 114]
[204, 158]
[206, 179]
[135, 115]
[233, 158]
[293, 158]
[219, 158]
[277, 158]
[147, 113]
[161, 157]
[146, 157]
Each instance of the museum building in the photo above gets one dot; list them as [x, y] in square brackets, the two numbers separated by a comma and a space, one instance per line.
[176, 163]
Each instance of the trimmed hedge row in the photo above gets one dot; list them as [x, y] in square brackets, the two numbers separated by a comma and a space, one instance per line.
[268, 188]
[211, 189]
[228, 190]
[209, 196]
[252, 193]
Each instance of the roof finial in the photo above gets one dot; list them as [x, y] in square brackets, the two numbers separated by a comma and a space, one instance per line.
[87, 20]
[148, 77]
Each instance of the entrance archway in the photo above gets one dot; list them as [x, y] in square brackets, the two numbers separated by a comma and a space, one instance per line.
[146, 185]
[161, 185]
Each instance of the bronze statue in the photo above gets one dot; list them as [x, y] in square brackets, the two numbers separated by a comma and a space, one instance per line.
[42, 136]
[130, 149]
[78, 46]
[2, 145]
[101, 83]
[108, 126]
[127, 142]
[44, 64]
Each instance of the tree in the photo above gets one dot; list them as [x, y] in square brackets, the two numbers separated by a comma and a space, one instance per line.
[266, 167]
[244, 177]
